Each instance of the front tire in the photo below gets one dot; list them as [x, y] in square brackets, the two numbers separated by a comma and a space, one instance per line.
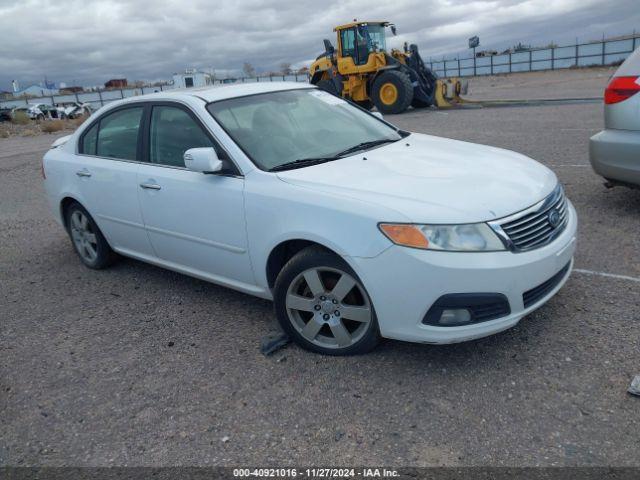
[322, 305]
[392, 92]
[87, 239]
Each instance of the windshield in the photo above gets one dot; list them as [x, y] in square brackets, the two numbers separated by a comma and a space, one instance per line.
[374, 36]
[281, 127]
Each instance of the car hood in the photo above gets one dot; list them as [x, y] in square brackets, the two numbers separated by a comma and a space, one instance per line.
[431, 179]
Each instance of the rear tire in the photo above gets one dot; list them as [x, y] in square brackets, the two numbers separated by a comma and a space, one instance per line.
[87, 239]
[322, 305]
[392, 92]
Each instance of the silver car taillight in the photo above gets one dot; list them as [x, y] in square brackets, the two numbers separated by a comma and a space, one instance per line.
[621, 88]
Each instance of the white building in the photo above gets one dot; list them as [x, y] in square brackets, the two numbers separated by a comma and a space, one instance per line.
[191, 78]
[35, 91]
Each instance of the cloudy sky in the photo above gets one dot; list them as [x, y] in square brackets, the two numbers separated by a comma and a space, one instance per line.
[89, 41]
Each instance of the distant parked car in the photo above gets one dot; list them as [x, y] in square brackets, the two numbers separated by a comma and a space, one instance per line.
[52, 111]
[32, 111]
[76, 109]
[5, 115]
[615, 152]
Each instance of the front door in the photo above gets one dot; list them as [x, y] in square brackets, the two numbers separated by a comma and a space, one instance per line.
[194, 221]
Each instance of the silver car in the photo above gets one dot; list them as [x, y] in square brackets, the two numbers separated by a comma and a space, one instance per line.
[615, 152]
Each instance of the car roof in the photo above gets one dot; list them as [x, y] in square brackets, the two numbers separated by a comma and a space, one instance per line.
[224, 91]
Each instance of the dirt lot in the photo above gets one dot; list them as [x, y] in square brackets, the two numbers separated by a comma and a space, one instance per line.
[140, 366]
[35, 128]
[568, 83]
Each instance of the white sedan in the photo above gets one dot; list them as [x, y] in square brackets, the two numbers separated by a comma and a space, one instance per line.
[355, 229]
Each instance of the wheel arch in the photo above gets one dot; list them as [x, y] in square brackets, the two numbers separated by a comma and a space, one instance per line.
[64, 205]
[381, 70]
[285, 251]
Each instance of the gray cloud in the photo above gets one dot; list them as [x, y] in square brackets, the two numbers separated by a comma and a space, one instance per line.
[89, 41]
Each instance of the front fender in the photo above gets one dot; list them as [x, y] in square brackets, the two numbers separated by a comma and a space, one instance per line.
[277, 211]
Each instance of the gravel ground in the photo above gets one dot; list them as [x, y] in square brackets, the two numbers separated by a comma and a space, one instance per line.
[557, 84]
[136, 365]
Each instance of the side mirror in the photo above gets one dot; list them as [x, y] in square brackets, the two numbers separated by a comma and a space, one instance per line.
[377, 114]
[203, 160]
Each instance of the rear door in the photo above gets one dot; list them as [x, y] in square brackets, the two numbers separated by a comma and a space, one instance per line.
[110, 152]
[195, 221]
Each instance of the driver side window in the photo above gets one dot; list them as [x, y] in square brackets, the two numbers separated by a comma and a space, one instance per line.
[173, 131]
[347, 37]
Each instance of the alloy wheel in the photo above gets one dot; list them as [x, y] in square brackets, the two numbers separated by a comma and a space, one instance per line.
[84, 238]
[328, 307]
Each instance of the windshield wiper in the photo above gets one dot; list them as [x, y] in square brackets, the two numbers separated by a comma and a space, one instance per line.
[364, 145]
[303, 162]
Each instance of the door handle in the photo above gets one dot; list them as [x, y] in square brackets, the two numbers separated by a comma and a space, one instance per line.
[150, 186]
[83, 173]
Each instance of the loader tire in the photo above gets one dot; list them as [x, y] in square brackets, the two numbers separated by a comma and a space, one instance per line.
[366, 104]
[417, 103]
[392, 92]
[328, 86]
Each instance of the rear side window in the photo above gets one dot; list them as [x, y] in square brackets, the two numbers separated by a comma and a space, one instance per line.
[90, 140]
[118, 134]
[348, 42]
[173, 131]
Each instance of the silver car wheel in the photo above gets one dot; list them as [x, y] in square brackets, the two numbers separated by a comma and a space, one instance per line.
[83, 237]
[328, 307]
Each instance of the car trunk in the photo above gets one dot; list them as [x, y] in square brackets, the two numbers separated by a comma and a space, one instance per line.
[622, 96]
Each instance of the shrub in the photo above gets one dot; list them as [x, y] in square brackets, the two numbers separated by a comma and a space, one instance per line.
[52, 126]
[20, 118]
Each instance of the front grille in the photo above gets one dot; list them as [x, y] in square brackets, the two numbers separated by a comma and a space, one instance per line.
[482, 313]
[532, 296]
[534, 227]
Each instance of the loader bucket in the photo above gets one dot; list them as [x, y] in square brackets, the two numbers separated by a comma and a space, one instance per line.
[448, 93]
[423, 79]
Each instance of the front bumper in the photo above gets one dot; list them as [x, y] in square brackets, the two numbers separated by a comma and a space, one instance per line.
[403, 283]
[615, 155]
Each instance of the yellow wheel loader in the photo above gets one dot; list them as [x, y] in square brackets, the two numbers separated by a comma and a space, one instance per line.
[363, 71]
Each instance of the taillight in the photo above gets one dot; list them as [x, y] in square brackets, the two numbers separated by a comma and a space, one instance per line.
[621, 88]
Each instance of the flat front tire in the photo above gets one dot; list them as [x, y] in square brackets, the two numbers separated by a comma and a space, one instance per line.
[322, 305]
[87, 239]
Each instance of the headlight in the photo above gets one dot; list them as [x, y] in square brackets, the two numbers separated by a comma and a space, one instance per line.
[472, 237]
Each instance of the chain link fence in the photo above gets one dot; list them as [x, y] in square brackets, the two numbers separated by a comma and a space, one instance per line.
[601, 53]
[101, 97]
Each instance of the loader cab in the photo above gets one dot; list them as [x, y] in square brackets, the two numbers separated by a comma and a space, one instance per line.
[358, 40]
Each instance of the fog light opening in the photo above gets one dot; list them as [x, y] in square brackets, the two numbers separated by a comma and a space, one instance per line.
[458, 316]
